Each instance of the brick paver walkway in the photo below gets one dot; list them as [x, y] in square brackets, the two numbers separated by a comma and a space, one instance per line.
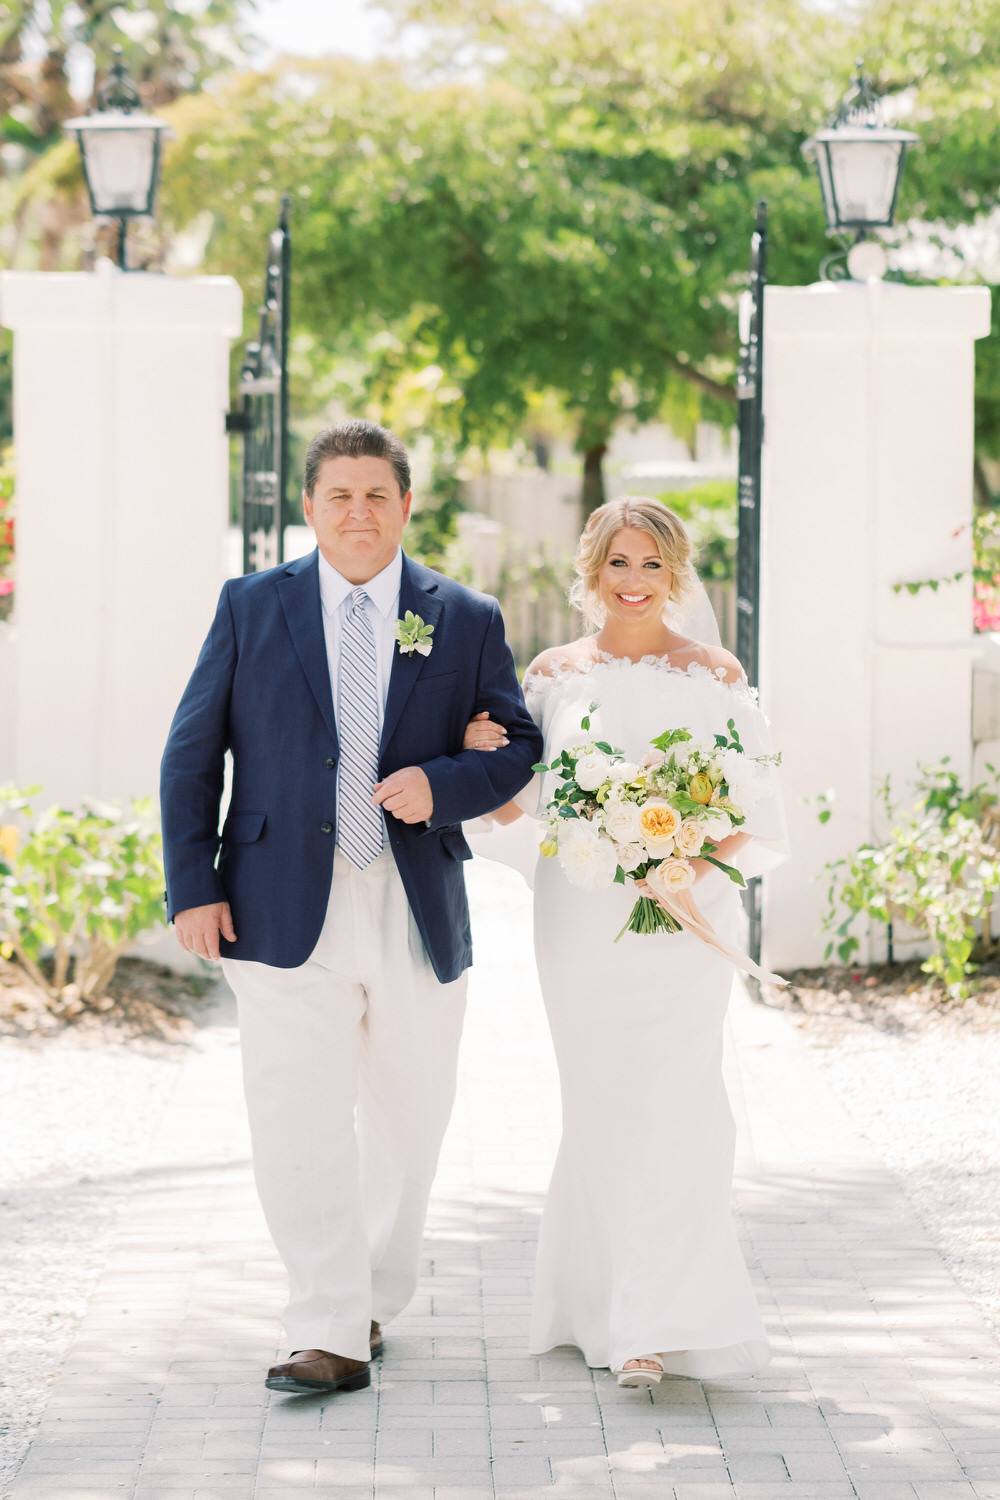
[884, 1383]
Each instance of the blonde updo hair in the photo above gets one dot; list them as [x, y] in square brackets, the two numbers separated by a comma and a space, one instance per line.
[642, 514]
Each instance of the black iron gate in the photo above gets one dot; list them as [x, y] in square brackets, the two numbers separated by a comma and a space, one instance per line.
[750, 391]
[261, 417]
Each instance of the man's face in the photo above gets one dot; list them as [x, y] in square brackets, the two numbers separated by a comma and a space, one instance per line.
[358, 514]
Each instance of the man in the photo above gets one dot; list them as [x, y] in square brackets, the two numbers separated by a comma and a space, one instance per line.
[342, 684]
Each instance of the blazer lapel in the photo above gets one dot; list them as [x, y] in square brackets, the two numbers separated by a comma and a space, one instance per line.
[417, 591]
[298, 590]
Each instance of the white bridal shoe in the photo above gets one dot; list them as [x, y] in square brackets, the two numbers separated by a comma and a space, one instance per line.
[641, 1372]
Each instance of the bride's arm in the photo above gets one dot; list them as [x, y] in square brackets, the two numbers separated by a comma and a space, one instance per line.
[765, 842]
[509, 813]
[483, 734]
[724, 850]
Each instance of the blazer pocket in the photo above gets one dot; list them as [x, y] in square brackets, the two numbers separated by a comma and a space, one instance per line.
[455, 844]
[243, 827]
[438, 680]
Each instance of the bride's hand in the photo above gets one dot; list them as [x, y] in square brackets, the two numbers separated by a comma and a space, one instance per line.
[482, 734]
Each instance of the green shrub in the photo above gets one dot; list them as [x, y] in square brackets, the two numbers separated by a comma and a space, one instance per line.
[75, 890]
[711, 517]
[6, 532]
[433, 530]
[938, 870]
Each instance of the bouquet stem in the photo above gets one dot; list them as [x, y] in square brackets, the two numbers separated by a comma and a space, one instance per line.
[649, 916]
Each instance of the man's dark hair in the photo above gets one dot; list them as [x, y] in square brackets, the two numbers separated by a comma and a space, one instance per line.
[357, 439]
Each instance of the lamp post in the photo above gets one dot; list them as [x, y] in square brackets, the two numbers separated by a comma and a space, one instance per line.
[120, 149]
[859, 160]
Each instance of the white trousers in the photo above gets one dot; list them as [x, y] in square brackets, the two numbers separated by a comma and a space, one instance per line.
[349, 1066]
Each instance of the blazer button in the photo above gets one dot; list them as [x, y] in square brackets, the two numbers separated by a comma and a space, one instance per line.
[330, 762]
[326, 828]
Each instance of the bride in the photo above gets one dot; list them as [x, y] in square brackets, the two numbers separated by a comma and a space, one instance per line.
[638, 1261]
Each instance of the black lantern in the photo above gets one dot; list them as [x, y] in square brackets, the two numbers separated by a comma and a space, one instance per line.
[120, 149]
[860, 163]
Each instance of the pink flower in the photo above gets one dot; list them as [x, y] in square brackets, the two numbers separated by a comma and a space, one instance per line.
[986, 606]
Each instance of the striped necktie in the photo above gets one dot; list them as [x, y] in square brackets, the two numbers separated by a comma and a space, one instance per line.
[360, 826]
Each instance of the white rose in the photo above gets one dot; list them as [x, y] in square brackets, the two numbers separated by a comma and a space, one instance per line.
[671, 876]
[592, 770]
[631, 856]
[588, 860]
[622, 821]
[697, 751]
[743, 777]
[717, 826]
[690, 836]
[652, 759]
[623, 770]
[730, 760]
[659, 848]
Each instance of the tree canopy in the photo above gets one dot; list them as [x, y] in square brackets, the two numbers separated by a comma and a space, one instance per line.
[561, 203]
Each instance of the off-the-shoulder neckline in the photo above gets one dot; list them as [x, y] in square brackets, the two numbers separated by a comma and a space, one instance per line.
[567, 667]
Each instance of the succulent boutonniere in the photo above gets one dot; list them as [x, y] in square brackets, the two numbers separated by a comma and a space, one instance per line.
[413, 635]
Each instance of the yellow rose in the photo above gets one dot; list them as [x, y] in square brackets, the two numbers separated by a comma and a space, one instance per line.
[659, 820]
[549, 848]
[9, 840]
[701, 788]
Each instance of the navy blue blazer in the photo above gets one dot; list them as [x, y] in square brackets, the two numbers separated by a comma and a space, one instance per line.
[261, 688]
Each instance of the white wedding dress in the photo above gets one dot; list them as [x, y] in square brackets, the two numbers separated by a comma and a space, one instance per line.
[638, 1252]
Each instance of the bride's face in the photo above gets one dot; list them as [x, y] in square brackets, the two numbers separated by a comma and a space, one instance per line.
[634, 581]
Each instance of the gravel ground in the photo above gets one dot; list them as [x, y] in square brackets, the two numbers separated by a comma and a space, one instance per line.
[920, 1077]
[78, 1105]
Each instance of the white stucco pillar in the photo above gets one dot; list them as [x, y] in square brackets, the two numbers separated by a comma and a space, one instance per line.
[120, 394]
[867, 475]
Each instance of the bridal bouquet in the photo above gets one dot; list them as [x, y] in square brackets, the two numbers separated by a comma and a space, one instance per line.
[613, 821]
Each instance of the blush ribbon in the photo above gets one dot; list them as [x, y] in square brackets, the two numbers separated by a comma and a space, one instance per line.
[683, 909]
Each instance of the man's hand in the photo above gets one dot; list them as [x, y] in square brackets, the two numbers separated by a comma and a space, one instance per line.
[406, 794]
[198, 928]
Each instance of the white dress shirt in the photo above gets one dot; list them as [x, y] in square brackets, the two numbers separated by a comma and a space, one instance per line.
[383, 612]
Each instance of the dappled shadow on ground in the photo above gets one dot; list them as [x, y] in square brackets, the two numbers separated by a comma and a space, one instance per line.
[871, 1341]
[820, 1237]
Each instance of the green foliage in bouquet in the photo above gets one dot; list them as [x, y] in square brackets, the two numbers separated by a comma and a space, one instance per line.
[938, 870]
[76, 890]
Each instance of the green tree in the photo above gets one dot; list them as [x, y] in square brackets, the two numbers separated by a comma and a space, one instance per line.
[700, 106]
[477, 230]
[170, 50]
[560, 205]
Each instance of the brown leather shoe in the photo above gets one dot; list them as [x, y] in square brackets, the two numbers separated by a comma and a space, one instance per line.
[375, 1341]
[317, 1370]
